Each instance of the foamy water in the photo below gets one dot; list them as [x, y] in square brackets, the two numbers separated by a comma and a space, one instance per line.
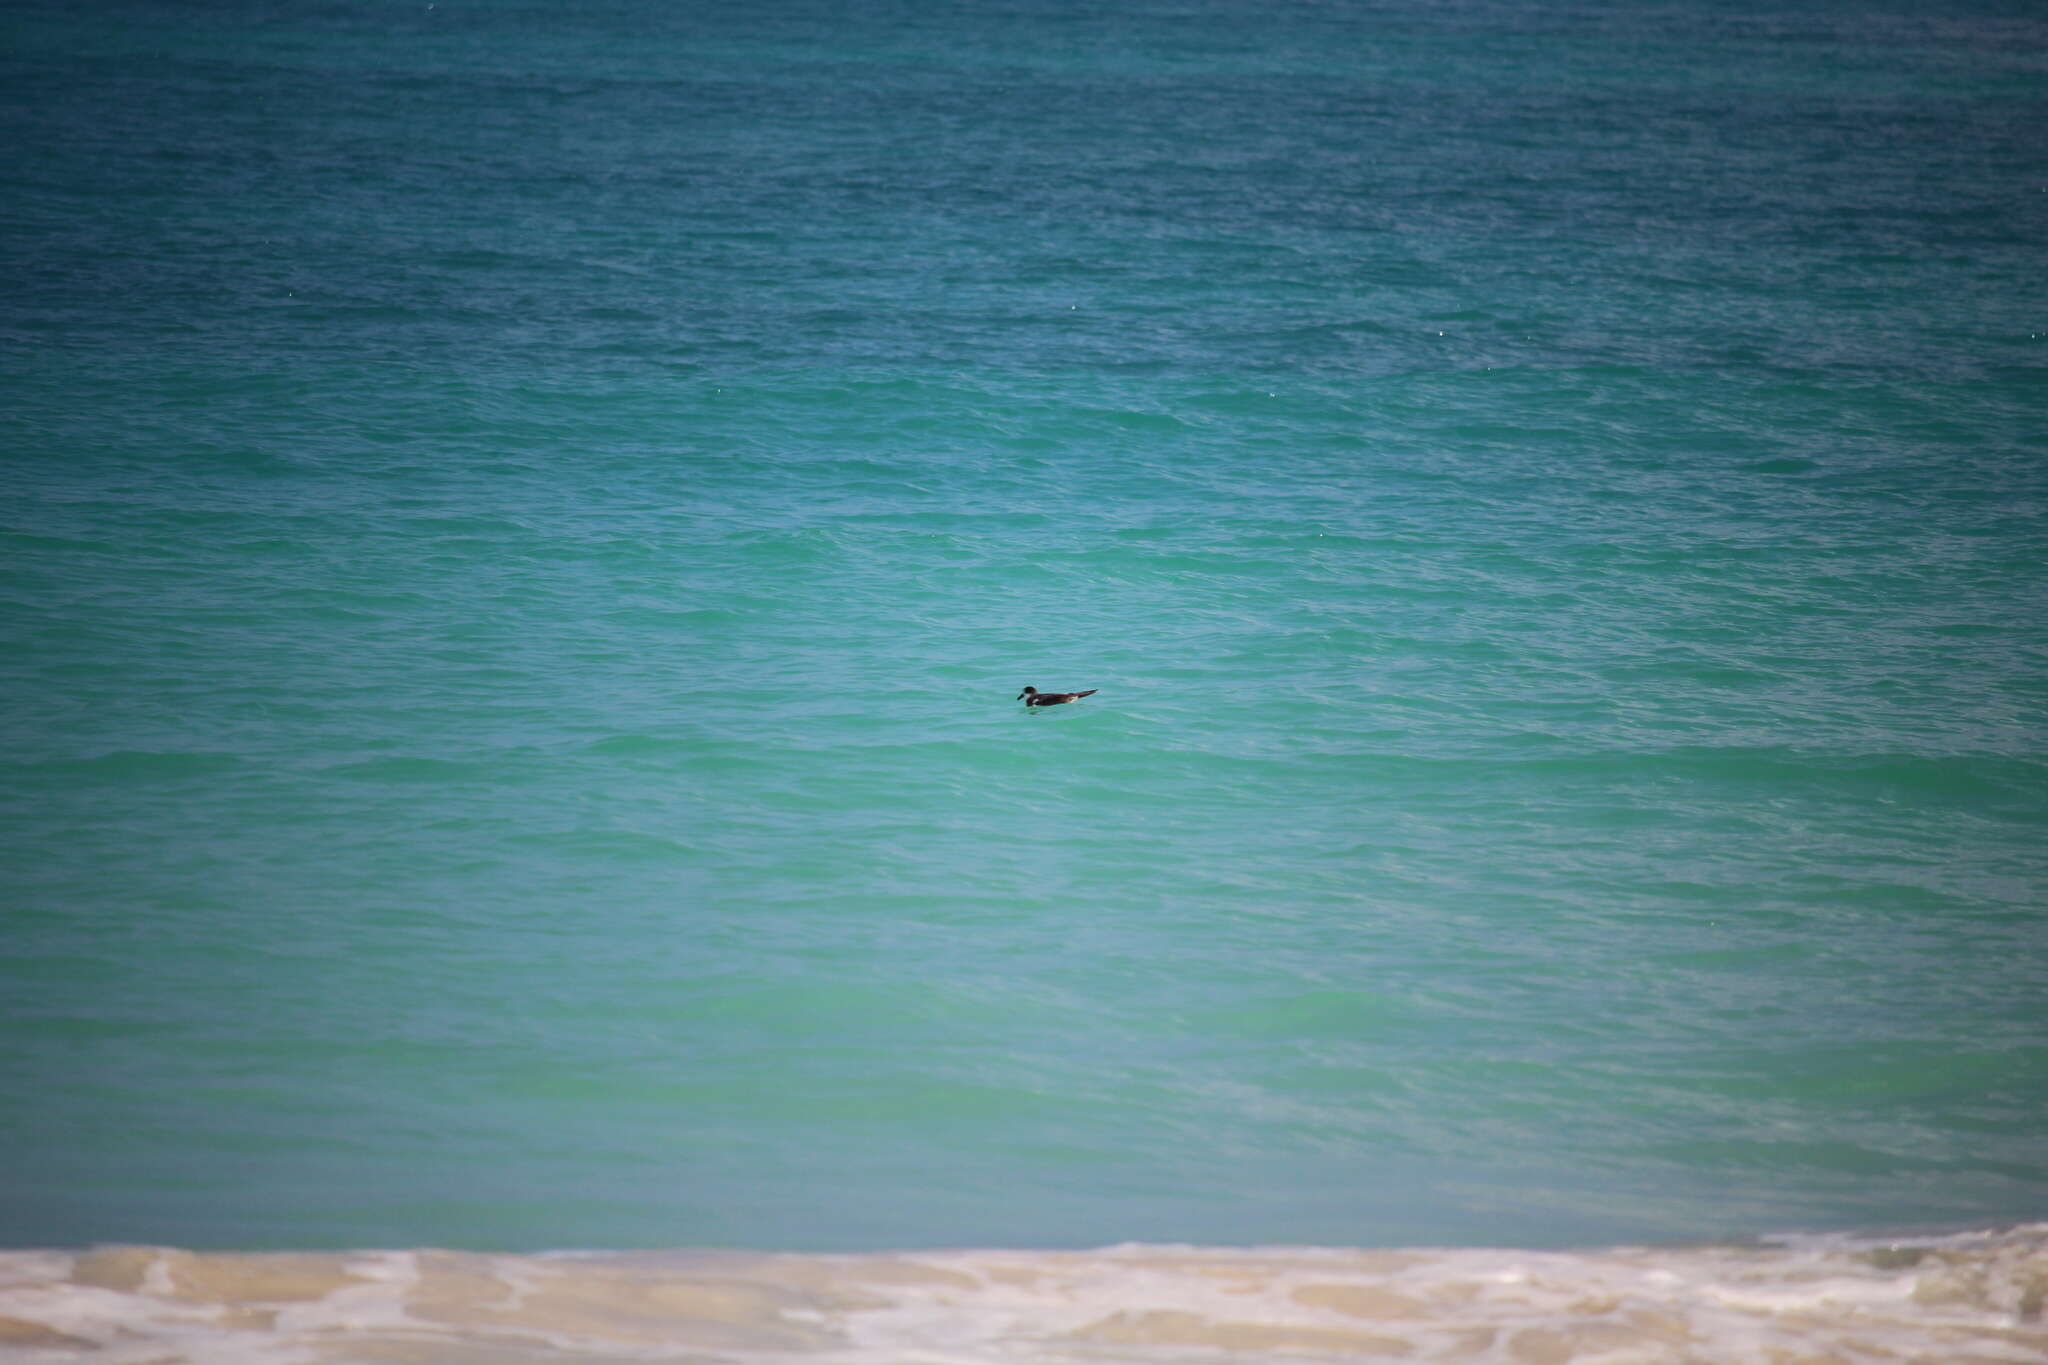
[1974, 1298]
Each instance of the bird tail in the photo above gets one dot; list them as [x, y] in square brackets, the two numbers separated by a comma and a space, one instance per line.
[1089, 693]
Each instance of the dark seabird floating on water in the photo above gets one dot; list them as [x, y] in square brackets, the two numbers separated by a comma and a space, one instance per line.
[1031, 696]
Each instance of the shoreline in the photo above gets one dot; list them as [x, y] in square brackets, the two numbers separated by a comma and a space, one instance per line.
[1815, 1299]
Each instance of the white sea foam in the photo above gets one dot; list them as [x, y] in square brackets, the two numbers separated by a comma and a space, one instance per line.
[1799, 1301]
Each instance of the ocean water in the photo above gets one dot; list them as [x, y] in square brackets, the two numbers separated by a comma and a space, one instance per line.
[522, 525]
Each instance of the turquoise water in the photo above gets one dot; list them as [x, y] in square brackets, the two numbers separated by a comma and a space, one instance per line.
[523, 526]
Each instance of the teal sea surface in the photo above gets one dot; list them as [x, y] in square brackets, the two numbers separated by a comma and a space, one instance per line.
[522, 526]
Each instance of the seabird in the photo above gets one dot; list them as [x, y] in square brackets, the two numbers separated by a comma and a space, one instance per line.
[1031, 696]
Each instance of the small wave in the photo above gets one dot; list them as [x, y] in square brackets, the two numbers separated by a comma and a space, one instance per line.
[616, 844]
[131, 765]
[413, 770]
[1974, 1296]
